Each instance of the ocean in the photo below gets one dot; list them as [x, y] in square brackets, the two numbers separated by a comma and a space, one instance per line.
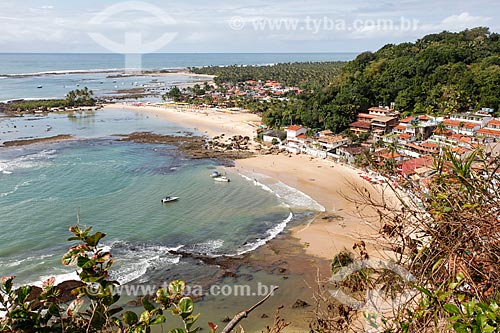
[21, 75]
[117, 186]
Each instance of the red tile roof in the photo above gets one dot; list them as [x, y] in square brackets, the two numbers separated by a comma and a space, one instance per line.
[408, 168]
[407, 120]
[400, 127]
[405, 136]
[302, 136]
[361, 124]
[390, 156]
[456, 123]
[294, 128]
[494, 122]
[487, 131]
[367, 115]
[428, 144]
[424, 117]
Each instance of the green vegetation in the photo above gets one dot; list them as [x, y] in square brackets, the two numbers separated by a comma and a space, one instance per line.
[438, 74]
[446, 236]
[90, 305]
[174, 93]
[29, 310]
[306, 75]
[74, 98]
[80, 97]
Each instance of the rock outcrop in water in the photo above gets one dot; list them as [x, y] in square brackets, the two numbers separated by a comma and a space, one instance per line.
[52, 139]
[197, 147]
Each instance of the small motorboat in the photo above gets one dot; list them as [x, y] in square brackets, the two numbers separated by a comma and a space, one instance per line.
[215, 174]
[169, 199]
[39, 87]
[222, 179]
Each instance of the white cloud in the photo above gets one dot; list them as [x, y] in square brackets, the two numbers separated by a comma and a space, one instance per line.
[464, 20]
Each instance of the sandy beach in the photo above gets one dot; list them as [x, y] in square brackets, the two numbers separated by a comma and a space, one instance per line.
[327, 182]
[209, 122]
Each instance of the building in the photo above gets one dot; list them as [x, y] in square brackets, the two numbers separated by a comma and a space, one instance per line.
[350, 153]
[273, 136]
[329, 143]
[491, 130]
[296, 136]
[408, 168]
[383, 111]
[382, 125]
[462, 127]
[360, 127]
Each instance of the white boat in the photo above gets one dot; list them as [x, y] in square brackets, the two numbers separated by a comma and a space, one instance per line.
[222, 179]
[169, 199]
[39, 87]
[215, 174]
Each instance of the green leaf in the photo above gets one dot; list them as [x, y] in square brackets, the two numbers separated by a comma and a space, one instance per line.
[71, 257]
[130, 318]
[22, 293]
[146, 304]
[159, 320]
[176, 287]
[95, 238]
[6, 283]
[186, 306]
[488, 329]
[451, 309]
[460, 328]
[421, 289]
[145, 317]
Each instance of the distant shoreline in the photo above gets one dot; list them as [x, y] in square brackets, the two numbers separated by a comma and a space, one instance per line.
[118, 72]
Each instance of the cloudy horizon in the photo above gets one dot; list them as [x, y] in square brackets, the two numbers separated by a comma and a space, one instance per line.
[223, 26]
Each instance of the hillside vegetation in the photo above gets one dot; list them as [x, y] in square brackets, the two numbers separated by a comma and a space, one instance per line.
[306, 75]
[438, 74]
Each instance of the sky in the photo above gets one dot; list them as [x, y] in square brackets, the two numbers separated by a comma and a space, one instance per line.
[231, 26]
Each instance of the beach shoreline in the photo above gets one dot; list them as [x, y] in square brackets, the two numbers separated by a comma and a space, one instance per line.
[329, 183]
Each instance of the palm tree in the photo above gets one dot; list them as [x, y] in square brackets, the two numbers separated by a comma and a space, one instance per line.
[440, 128]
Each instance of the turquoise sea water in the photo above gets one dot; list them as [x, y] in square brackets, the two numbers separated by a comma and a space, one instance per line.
[22, 74]
[117, 187]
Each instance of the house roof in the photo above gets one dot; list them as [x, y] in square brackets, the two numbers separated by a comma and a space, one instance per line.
[494, 122]
[384, 119]
[421, 148]
[326, 133]
[457, 124]
[400, 127]
[409, 167]
[355, 150]
[331, 139]
[302, 136]
[367, 115]
[361, 124]
[429, 145]
[390, 156]
[405, 136]
[488, 131]
[407, 120]
[424, 117]
[294, 128]
[381, 109]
